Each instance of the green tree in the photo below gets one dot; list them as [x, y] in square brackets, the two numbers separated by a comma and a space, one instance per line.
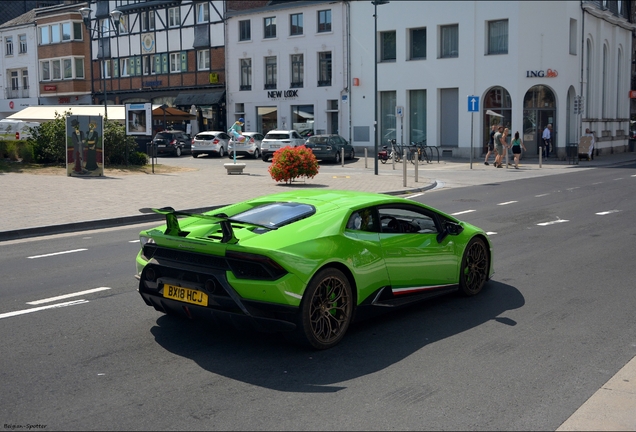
[119, 148]
[48, 140]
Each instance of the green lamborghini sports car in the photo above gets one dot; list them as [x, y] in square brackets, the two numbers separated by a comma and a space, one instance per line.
[308, 262]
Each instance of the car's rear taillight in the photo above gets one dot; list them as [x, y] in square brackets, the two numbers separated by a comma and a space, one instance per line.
[173, 142]
[216, 141]
[252, 266]
[252, 140]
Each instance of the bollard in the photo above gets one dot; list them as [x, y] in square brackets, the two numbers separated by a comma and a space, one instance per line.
[417, 162]
[404, 168]
[342, 156]
[365, 157]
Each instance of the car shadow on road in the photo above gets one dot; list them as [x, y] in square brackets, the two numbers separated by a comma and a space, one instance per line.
[270, 361]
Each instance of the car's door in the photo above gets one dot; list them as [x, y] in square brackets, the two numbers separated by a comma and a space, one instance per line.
[296, 139]
[187, 142]
[414, 258]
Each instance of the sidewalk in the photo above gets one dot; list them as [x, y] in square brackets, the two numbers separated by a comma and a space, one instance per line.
[36, 205]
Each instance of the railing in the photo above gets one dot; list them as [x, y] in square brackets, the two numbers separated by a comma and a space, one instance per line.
[20, 92]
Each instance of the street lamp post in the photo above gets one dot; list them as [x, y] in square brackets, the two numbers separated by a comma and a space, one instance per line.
[86, 17]
[375, 92]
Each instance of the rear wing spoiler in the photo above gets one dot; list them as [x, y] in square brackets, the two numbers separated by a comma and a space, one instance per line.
[173, 228]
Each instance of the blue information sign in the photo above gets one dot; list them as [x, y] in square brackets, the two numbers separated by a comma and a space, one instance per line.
[473, 103]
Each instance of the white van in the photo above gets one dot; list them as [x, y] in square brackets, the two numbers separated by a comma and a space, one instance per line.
[11, 130]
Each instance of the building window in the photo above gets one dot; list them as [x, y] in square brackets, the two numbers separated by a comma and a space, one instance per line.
[174, 17]
[498, 37]
[106, 69]
[388, 46]
[123, 24]
[324, 69]
[105, 25]
[66, 31]
[203, 60]
[418, 43]
[175, 62]
[324, 21]
[149, 64]
[203, 13]
[124, 67]
[25, 81]
[44, 35]
[57, 69]
[269, 25]
[67, 65]
[15, 81]
[246, 74]
[449, 41]
[245, 31]
[55, 33]
[79, 67]
[573, 40]
[45, 71]
[296, 24]
[147, 21]
[270, 72]
[297, 70]
[8, 45]
[77, 31]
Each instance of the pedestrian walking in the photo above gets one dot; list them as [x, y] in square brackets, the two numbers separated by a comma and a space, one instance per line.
[499, 147]
[547, 139]
[517, 145]
[491, 143]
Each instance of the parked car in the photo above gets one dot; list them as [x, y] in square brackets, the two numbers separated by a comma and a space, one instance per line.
[172, 142]
[328, 147]
[276, 139]
[210, 142]
[308, 262]
[250, 147]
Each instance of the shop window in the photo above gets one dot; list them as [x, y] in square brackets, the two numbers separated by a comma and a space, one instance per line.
[418, 43]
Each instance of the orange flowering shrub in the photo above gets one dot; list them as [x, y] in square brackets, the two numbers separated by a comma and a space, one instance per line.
[290, 163]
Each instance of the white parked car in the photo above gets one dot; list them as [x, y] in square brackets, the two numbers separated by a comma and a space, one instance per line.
[250, 147]
[210, 142]
[276, 139]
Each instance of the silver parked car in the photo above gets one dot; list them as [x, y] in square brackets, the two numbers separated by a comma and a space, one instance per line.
[250, 147]
[210, 142]
[276, 139]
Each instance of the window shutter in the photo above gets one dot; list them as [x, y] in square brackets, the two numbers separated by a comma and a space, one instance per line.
[184, 61]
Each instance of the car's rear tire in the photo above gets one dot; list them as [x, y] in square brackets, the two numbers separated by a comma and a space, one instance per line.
[257, 154]
[229, 155]
[352, 156]
[473, 272]
[194, 155]
[221, 152]
[265, 158]
[337, 158]
[177, 152]
[326, 310]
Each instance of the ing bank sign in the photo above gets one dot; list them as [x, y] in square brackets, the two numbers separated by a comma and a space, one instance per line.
[550, 73]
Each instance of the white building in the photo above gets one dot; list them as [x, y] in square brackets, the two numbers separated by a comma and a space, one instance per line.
[18, 64]
[527, 61]
[287, 67]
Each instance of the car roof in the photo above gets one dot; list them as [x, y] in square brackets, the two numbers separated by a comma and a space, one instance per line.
[282, 131]
[339, 198]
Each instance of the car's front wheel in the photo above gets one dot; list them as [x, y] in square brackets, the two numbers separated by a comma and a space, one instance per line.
[326, 309]
[475, 266]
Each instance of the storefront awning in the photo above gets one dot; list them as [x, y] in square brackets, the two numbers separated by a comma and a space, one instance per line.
[172, 114]
[199, 99]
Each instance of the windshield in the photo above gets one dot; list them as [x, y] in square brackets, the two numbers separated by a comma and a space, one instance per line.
[276, 214]
[204, 137]
[163, 136]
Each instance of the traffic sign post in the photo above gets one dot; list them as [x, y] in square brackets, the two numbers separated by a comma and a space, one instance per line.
[473, 107]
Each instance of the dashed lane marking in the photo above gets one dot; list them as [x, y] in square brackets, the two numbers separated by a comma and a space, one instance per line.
[56, 253]
[65, 296]
[37, 309]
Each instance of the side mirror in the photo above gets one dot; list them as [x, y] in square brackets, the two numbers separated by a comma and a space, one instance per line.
[450, 228]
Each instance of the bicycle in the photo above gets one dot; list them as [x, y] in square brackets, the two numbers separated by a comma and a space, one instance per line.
[419, 149]
[394, 151]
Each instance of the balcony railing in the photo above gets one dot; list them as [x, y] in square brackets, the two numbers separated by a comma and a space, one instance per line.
[16, 93]
[324, 83]
[245, 87]
[270, 86]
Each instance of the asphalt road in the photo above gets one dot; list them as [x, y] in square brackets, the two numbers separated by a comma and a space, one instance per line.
[551, 328]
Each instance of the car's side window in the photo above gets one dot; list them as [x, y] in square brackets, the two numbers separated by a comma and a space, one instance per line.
[406, 220]
[364, 220]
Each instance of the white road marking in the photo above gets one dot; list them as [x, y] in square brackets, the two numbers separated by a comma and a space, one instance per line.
[414, 196]
[597, 183]
[462, 212]
[65, 296]
[491, 233]
[607, 212]
[57, 253]
[37, 309]
[506, 203]
[572, 188]
[542, 195]
[134, 241]
[620, 178]
[553, 222]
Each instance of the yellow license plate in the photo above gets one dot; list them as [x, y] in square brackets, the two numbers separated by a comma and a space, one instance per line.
[186, 295]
